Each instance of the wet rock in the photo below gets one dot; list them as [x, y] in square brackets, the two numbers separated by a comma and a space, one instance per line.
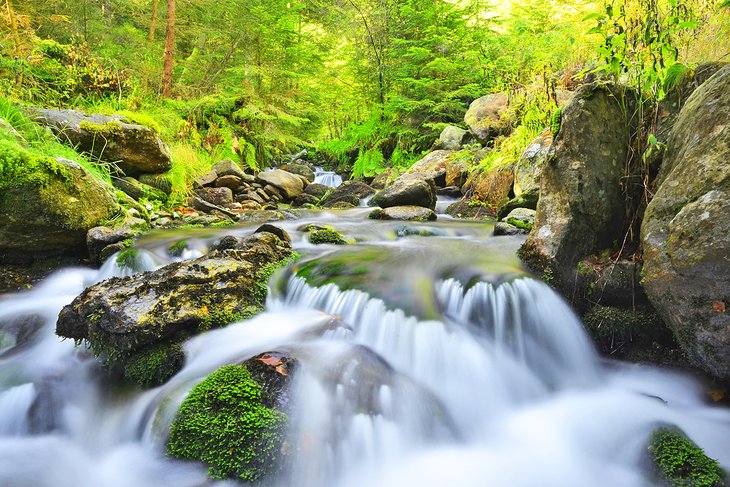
[409, 213]
[100, 237]
[305, 199]
[289, 184]
[450, 191]
[407, 190]
[138, 190]
[582, 205]
[317, 190]
[51, 219]
[350, 192]
[135, 148]
[502, 228]
[124, 315]
[686, 230]
[300, 170]
[468, 207]
[273, 371]
[486, 116]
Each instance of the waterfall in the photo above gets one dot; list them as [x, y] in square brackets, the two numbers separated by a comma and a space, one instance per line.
[328, 178]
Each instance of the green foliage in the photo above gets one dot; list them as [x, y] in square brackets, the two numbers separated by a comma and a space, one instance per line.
[555, 121]
[128, 258]
[154, 366]
[20, 166]
[519, 223]
[223, 423]
[177, 249]
[327, 235]
[368, 163]
[681, 462]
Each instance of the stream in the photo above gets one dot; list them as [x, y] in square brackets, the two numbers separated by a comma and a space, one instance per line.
[447, 365]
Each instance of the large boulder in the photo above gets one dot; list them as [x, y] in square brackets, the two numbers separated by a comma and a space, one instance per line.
[112, 138]
[350, 192]
[300, 169]
[528, 168]
[453, 138]
[126, 315]
[46, 209]
[433, 165]
[487, 116]
[686, 229]
[290, 185]
[581, 208]
[408, 190]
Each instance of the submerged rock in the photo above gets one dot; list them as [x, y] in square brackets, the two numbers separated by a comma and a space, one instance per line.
[686, 229]
[112, 138]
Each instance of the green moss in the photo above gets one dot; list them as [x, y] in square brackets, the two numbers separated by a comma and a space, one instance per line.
[680, 462]
[555, 121]
[177, 249]
[223, 423]
[18, 166]
[519, 223]
[222, 224]
[327, 235]
[218, 318]
[127, 258]
[154, 366]
[100, 129]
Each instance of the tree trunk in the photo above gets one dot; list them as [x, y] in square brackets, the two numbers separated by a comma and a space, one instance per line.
[153, 23]
[169, 50]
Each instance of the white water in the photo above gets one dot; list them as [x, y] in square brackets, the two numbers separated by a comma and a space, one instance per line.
[502, 389]
[328, 178]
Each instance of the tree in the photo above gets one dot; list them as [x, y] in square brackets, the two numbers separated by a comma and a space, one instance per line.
[169, 50]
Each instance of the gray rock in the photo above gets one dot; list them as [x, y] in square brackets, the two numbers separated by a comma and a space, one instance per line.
[524, 215]
[317, 190]
[135, 148]
[350, 192]
[502, 228]
[486, 116]
[231, 182]
[100, 237]
[216, 196]
[407, 213]
[686, 229]
[407, 190]
[207, 179]
[582, 206]
[529, 167]
[299, 169]
[453, 138]
[289, 184]
[227, 167]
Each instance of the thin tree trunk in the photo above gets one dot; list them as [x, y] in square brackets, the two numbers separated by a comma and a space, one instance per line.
[169, 50]
[153, 23]
[16, 42]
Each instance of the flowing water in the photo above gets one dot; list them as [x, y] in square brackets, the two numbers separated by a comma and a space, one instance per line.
[444, 365]
[328, 178]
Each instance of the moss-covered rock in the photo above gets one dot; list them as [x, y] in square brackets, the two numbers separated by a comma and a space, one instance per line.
[138, 190]
[154, 366]
[136, 148]
[224, 423]
[47, 205]
[349, 191]
[327, 235]
[686, 229]
[681, 463]
[487, 118]
[404, 213]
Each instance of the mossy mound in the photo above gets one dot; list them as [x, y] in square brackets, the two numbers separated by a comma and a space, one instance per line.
[224, 423]
[154, 366]
[681, 463]
[327, 235]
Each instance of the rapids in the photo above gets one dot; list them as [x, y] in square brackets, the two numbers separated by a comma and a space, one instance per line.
[445, 364]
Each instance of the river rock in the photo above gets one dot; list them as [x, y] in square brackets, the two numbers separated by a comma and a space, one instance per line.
[227, 167]
[503, 228]
[581, 208]
[231, 182]
[207, 179]
[99, 238]
[299, 169]
[350, 192]
[112, 138]
[433, 165]
[408, 190]
[125, 314]
[491, 186]
[407, 213]
[289, 184]
[686, 229]
[528, 168]
[317, 190]
[50, 219]
[486, 116]
[138, 190]
[453, 138]
[216, 196]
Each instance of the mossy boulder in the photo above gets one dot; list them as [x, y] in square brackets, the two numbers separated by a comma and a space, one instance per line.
[224, 423]
[47, 205]
[122, 316]
[153, 366]
[679, 462]
[138, 190]
[686, 229]
[487, 117]
[528, 168]
[327, 235]
[135, 148]
[453, 138]
[582, 205]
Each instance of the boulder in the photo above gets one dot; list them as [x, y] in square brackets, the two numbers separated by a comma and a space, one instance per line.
[138, 190]
[112, 138]
[486, 117]
[317, 190]
[581, 207]
[522, 218]
[350, 192]
[503, 228]
[407, 190]
[207, 179]
[384, 178]
[216, 196]
[529, 167]
[126, 314]
[49, 212]
[300, 169]
[453, 138]
[231, 182]
[227, 167]
[433, 165]
[686, 229]
[468, 207]
[289, 184]
[408, 213]
[99, 238]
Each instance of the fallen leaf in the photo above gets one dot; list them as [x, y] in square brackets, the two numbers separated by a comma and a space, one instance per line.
[271, 360]
[719, 306]
[281, 370]
[717, 394]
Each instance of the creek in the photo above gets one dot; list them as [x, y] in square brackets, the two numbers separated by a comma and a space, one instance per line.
[447, 365]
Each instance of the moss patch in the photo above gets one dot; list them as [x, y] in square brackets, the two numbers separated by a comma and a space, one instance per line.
[100, 129]
[128, 258]
[154, 366]
[224, 423]
[177, 249]
[680, 462]
[519, 223]
[327, 235]
[18, 166]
